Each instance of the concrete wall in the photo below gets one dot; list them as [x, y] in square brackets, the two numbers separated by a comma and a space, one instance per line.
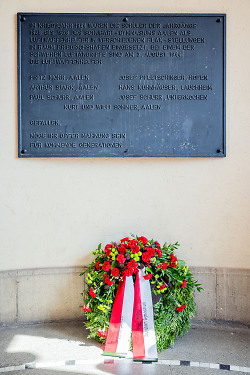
[55, 212]
[54, 294]
[40, 295]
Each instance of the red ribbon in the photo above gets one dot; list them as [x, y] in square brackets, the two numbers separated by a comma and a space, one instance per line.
[132, 309]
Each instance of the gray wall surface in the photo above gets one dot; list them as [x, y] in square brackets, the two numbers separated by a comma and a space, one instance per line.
[54, 294]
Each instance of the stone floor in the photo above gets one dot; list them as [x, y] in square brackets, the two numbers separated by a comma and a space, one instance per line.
[63, 348]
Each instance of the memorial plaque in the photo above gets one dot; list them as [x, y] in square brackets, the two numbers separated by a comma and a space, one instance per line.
[112, 85]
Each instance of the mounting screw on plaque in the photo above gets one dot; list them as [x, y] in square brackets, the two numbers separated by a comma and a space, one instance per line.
[218, 151]
[23, 18]
[23, 152]
[218, 20]
[125, 19]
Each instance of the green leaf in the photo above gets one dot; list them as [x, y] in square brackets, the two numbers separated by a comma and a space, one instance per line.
[181, 263]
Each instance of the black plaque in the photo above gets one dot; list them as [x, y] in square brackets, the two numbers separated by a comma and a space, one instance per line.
[102, 85]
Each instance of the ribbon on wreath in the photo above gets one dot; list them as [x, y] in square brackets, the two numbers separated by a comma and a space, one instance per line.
[132, 310]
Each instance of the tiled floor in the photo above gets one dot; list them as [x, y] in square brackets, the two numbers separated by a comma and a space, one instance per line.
[63, 348]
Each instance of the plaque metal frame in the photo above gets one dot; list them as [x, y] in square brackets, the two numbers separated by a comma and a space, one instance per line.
[121, 85]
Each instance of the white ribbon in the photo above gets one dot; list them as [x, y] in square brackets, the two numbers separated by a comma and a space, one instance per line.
[133, 308]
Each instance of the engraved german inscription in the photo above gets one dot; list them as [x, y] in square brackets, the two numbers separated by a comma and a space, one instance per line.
[109, 85]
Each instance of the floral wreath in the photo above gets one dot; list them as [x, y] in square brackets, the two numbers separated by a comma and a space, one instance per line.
[172, 286]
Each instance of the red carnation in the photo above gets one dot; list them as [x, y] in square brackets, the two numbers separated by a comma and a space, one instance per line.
[184, 284]
[145, 257]
[132, 264]
[142, 239]
[106, 266]
[163, 286]
[151, 252]
[133, 243]
[125, 239]
[102, 333]
[115, 272]
[180, 308]
[108, 246]
[107, 249]
[92, 293]
[148, 276]
[108, 281]
[97, 266]
[174, 260]
[159, 252]
[85, 308]
[120, 258]
[131, 268]
[164, 265]
[157, 244]
[135, 249]
[128, 272]
[122, 249]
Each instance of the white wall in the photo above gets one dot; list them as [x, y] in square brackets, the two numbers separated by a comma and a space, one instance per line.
[54, 212]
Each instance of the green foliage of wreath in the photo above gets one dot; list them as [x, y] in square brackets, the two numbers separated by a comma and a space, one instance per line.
[172, 286]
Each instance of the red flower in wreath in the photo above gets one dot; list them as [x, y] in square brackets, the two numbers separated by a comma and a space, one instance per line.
[86, 308]
[135, 249]
[159, 252]
[151, 252]
[184, 284]
[180, 308]
[120, 258]
[128, 272]
[132, 264]
[174, 260]
[145, 257]
[102, 333]
[133, 244]
[106, 266]
[108, 281]
[157, 244]
[163, 286]
[115, 272]
[125, 239]
[164, 265]
[148, 276]
[97, 266]
[107, 249]
[142, 239]
[122, 249]
[92, 293]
